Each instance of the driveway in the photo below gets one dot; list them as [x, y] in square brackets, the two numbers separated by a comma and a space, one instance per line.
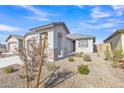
[10, 61]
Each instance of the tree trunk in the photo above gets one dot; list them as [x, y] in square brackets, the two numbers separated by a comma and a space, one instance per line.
[42, 59]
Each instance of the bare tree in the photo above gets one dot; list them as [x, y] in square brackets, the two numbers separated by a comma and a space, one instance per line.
[42, 60]
[32, 58]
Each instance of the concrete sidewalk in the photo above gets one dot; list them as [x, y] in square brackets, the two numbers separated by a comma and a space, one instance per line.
[10, 61]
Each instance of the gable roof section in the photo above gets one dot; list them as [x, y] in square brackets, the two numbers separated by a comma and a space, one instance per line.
[16, 36]
[36, 29]
[114, 34]
[78, 37]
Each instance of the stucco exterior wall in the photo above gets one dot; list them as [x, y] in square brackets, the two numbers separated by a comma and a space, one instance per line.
[122, 40]
[66, 45]
[70, 46]
[116, 41]
[88, 49]
[29, 37]
[11, 48]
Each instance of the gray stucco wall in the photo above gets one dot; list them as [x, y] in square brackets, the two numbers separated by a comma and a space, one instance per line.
[88, 49]
[116, 41]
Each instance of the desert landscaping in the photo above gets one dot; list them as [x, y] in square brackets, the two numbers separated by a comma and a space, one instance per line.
[64, 74]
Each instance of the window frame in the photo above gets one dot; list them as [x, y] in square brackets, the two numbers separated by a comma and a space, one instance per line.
[83, 43]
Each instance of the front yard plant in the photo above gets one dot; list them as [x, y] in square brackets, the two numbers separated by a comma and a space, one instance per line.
[87, 58]
[9, 69]
[115, 64]
[71, 59]
[50, 66]
[108, 54]
[83, 69]
[118, 54]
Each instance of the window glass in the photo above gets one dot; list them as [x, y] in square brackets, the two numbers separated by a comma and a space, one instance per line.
[83, 43]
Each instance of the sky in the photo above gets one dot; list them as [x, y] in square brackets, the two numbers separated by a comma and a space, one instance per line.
[100, 21]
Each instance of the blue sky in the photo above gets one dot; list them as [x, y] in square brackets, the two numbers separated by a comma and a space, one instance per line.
[99, 21]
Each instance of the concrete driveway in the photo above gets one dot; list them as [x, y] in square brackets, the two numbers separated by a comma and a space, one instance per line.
[10, 61]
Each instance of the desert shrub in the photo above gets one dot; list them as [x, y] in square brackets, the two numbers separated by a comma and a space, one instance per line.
[108, 55]
[115, 64]
[118, 54]
[9, 69]
[79, 54]
[71, 59]
[50, 66]
[83, 69]
[87, 58]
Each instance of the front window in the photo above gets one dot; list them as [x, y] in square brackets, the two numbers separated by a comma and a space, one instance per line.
[83, 43]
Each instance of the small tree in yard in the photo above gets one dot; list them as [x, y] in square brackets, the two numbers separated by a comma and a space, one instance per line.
[33, 58]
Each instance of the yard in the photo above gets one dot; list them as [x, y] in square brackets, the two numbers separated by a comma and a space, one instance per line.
[101, 75]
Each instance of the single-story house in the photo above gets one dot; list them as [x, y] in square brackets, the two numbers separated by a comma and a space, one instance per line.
[14, 42]
[60, 43]
[116, 39]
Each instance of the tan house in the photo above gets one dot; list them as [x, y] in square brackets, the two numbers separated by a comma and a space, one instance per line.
[14, 42]
[116, 39]
[59, 44]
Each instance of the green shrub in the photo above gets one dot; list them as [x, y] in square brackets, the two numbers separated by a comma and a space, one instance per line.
[71, 59]
[118, 54]
[9, 69]
[79, 54]
[87, 58]
[108, 54]
[83, 69]
[50, 66]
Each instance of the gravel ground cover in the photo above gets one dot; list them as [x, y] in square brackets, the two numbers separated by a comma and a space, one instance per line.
[101, 75]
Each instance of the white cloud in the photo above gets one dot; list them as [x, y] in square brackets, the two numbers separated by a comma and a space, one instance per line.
[35, 11]
[39, 14]
[37, 18]
[97, 13]
[91, 21]
[119, 9]
[122, 21]
[98, 26]
[9, 28]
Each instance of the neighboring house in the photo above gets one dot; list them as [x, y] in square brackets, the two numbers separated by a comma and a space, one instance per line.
[3, 48]
[116, 39]
[14, 42]
[60, 43]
